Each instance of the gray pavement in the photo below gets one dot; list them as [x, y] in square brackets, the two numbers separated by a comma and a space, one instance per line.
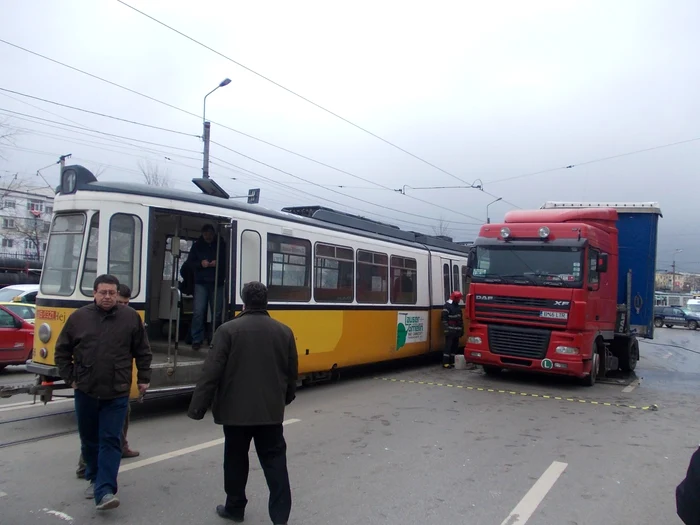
[402, 445]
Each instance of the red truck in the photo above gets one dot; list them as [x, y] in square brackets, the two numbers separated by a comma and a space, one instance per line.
[566, 289]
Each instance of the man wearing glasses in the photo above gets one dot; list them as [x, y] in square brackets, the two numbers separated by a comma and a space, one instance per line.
[94, 353]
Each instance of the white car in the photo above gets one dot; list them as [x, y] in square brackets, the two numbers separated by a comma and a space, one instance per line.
[19, 293]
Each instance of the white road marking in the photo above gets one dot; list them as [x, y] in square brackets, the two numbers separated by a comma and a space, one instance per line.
[527, 506]
[182, 452]
[668, 355]
[30, 404]
[630, 387]
[61, 515]
[2, 494]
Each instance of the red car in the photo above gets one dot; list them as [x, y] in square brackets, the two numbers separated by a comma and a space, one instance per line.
[16, 339]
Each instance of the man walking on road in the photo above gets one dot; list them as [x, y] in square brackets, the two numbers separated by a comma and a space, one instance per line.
[249, 378]
[94, 353]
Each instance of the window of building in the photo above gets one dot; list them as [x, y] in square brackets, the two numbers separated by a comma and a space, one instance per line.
[251, 257]
[29, 244]
[288, 268]
[8, 223]
[124, 258]
[10, 204]
[49, 209]
[334, 274]
[62, 259]
[404, 280]
[90, 264]
[446, 281]
[372, 277]
[7, 243]
[35, 205]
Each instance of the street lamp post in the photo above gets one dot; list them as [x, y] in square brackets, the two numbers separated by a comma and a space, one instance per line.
[488, 220]
[673, 282]
[207, 126]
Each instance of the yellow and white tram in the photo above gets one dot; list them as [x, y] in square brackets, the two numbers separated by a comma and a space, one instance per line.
[354, 291]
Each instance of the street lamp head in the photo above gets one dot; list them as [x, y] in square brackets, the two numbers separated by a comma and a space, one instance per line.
[225, 82]
[498, 199]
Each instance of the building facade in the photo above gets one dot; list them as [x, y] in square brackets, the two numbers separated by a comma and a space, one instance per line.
[25, 219]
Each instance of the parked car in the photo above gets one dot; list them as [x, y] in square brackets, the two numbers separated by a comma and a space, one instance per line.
[16, 339]
[25, 310]
[22, 293]
[674, 316]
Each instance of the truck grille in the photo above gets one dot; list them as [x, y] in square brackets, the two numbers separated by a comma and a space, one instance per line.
[518, 342]
[521, 301]
[484, 311]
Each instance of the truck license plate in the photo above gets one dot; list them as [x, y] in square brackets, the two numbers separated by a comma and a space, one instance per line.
[555, 315]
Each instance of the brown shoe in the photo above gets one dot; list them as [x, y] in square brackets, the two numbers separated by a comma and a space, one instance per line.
[128, 453]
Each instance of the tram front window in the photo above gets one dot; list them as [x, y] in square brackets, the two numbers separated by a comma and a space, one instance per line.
[62, 259]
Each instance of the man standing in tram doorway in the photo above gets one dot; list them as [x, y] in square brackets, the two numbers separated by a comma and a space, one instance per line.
[123, 299]
[204, 261]
[95, 353]
[453, 326]
[249, 378]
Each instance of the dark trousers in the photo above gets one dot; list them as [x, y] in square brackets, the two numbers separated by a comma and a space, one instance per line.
[451, 348]
[272, 453]
[100, 424]
[80, 472]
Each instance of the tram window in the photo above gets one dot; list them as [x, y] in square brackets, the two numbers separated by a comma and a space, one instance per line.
[465, 281]
[446, 281]
[87, 281]
[169, 260]
[334, 274]
[404, 280]
[124, 259]
[455, 277]
[62, 256]
[372, 277]
[251, 255]
[288, 268]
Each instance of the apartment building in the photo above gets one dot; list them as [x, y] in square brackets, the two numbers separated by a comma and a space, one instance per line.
[25, 218]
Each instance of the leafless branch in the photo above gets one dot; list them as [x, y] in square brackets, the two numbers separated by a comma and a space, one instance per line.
[442, 228]
[153, 175]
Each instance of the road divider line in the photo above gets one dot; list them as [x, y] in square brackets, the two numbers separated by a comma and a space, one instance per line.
[650, 408]
[528, 505]
[182, 452]
[631, 387]
[31, 404]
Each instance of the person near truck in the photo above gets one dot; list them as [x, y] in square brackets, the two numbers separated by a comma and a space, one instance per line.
[94, 354]
[249, 378]
[206, 255]
[453, 327]
[123, 299]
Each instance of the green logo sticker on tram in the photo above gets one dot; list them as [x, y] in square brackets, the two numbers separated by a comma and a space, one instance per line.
[547, 364]
[411, 327]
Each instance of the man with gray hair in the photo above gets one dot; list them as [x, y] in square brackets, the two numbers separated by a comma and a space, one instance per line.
[249, 378]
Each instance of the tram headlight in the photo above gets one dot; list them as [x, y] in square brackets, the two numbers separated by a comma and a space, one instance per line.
[44, 333]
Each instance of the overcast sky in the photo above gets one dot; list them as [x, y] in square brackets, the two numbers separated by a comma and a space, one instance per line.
[483, 90]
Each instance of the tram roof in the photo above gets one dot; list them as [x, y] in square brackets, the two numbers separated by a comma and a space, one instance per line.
[318, 216]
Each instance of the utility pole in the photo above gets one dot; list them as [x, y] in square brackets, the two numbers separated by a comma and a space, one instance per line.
[207, 127]
[673, 266]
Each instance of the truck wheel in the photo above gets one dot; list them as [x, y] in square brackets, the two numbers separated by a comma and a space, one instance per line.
[693, 325]
[629, 356]
[590, 379]
[658, 323]
[491, 370]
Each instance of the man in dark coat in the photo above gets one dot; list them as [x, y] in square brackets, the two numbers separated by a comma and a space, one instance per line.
[207, 260]
[95, 352]
[249, 378]
[688, 493]
[453, 327]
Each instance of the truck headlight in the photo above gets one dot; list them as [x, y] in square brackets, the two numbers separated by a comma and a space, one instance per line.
[569, 350]
[474, 340]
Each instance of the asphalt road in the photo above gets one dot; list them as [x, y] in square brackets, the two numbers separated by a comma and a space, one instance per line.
[408, 445]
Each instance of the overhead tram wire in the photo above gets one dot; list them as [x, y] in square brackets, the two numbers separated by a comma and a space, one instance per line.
[295, 93]
[234, 151]
[262, 141]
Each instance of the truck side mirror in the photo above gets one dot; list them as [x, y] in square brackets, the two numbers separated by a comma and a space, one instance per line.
[603, 263]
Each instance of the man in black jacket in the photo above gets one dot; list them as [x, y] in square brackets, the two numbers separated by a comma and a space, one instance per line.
[207, 260]
[249, 377]
[95, 353]
[453, 327]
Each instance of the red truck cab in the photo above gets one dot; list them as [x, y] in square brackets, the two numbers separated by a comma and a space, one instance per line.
[548, 294]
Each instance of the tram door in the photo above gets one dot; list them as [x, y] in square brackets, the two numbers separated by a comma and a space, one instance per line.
[451, 277]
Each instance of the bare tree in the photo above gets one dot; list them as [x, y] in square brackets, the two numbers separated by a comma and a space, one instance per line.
[442, 228]
[31, 232]
[99, 171]
[27, 230]
[7, 136]
[153, 175]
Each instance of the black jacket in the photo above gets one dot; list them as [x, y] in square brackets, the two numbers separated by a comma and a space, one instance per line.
[96, 350]
[688, 493]
[203, 251]
[452, 321]
[250, 374]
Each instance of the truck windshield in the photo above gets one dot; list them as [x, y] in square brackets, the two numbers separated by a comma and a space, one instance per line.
[550, 266]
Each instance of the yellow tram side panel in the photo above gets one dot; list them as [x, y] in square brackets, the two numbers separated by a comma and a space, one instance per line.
[56, 318]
